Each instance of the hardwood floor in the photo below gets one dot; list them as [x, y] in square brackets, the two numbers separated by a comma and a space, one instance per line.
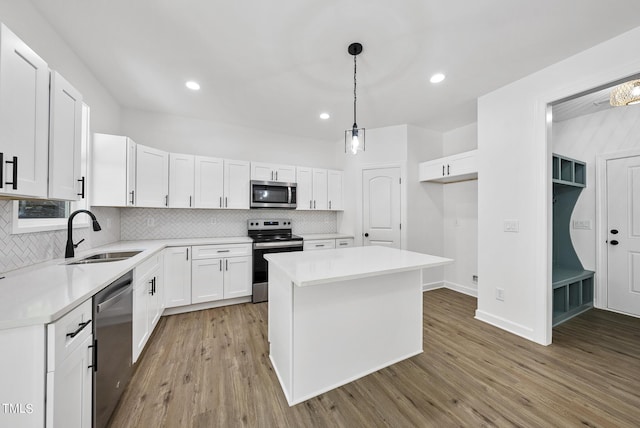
[211, 369]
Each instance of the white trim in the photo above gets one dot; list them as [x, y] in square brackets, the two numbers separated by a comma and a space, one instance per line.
[464, 289]
[504, 324]
[433, 286]
[601, 285]
[205, 305]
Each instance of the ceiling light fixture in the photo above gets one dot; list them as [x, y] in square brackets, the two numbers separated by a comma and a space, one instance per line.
[626, 94]
[324, 116]
[437, 78]
[194, 86]
[354, 137]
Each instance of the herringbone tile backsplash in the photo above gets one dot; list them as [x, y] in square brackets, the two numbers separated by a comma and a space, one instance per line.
[150, 223]
[17, 251]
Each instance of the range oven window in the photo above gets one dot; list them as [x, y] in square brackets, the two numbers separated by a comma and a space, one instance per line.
[261, 266]
[270, 194]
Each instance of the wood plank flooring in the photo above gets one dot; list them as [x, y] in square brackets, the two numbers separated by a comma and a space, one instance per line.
[211, 369]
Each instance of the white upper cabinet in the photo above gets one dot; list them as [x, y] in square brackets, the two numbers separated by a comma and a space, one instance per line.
[209, 185]
[24, 118]
[304, 189]
[334, 191]
[181, 180]
[65, 140]
[113, 171]
[273, 172]
[320, 189]
[152, 177]
[460, 167]
[236, 184]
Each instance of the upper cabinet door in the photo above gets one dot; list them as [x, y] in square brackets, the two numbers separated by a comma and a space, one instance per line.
[460, 167]
[24, 118]
[272, 172]
[181, 180]
[304, 190]
[209, 182]
[286, 173]
[65, 144]
[320, 189]
[112, 170]
[152, 177]
[236, 184]
[334, 180]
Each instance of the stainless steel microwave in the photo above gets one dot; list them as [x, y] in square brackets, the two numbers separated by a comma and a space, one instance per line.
[273, 194]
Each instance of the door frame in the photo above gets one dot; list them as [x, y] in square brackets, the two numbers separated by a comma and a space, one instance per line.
[601, 299]
[403, 200]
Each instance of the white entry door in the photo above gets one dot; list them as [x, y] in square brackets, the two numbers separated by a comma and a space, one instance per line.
[623, 248]
[381, 206]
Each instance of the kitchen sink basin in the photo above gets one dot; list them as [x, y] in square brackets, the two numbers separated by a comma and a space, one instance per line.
[114, 256]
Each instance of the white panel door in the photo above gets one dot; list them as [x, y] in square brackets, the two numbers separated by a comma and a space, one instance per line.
[24, 118]
[334, 192]
[209, 182]
[177, 276]
[181, 180]
[320, 189]
[304, 189]
[623, 250]
[237, 277]
[152, 177]
[236, 184]
[207, 280]
[65, 140]
[381, 206]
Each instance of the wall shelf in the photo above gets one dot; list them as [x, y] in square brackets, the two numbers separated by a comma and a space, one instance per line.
[572, 284]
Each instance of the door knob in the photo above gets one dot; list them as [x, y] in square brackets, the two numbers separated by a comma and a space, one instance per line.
[614, 242]
[366, 235]
[614, 231]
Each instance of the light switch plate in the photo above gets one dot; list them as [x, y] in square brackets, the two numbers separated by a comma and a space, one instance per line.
[511, 226]
[582, 224]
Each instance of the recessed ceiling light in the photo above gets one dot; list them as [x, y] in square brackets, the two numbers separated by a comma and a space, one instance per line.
[194, 86]
[437, 78]
[324, 116]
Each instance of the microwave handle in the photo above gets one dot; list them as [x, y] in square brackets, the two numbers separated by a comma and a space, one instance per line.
[290, 193]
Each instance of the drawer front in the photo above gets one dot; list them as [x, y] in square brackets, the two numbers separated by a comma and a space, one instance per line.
[344, 242]
[147, 266]
[320, 244]
[214, 251]
[66, 334]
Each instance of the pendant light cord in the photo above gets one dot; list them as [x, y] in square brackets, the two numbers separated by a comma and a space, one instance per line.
[355, 96]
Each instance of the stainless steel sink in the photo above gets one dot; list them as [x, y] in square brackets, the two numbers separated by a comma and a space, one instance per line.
[115, 256]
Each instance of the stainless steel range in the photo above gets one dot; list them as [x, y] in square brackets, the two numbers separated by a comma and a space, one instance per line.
[269, 236]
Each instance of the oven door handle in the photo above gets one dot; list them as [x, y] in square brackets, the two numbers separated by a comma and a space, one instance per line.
[287, 244]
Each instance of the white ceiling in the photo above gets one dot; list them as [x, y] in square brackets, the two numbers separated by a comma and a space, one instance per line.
[275, 65]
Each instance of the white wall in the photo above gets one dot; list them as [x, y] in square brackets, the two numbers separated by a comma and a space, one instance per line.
[584, 138]
[515, 184]
[202, 137]
[460, 216]
[24, 20]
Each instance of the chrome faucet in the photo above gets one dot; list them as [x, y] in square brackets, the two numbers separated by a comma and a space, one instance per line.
[70, 245]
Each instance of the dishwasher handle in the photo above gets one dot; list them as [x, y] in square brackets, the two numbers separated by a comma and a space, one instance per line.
[115, 299]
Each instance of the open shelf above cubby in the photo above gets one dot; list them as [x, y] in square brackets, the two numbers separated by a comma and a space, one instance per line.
[569, 171]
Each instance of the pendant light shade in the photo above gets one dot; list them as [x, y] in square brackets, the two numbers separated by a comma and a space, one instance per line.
[626, 94]
[354, 138]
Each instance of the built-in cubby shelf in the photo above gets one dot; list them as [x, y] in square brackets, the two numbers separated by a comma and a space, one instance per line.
[572, 284]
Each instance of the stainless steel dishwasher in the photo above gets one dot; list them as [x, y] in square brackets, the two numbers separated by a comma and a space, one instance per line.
[112, 368]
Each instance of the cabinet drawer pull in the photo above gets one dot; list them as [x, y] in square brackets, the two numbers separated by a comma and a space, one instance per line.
[220, 265]
[81, 326]
[94, 363]
[223, 251]
[319, 245]
[226, 264]
[343, 243]
[81, 194]
[14, 183]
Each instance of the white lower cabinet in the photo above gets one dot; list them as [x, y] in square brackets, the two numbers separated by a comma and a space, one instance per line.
[148, 302]
[324, 244]
[220, 272]
[177, 276]
[69, 369]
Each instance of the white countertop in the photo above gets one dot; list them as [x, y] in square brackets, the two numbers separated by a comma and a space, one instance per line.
[314, 236]
[324, 266]
[42, 293]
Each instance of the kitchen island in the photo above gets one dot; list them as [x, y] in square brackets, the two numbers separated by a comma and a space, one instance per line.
[338, 315]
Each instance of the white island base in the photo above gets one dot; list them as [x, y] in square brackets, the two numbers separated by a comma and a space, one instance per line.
[338, 315]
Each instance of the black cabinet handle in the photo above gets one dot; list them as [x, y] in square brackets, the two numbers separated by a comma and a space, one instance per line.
[14, 183]
[226, 264]
[614, 242]
[80, 327]
[151, 283]
[94, 363]
[443, 170]
[132, 195]
[614, 231]
[448, 170]
[189, 201]
[220, 265]
[166, 200]
[187, 254]
[81, 194]
[1, 170]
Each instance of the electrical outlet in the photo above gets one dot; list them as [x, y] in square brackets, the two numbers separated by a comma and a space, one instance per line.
[474, 278]
[500, 294]
[511, 226]
[151, 222]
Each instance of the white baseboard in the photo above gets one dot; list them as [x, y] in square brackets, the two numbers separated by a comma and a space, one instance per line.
[451, 286]
[206, 305]
[504, 324]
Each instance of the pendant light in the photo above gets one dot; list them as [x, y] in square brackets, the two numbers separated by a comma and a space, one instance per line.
[354, 137]
[626, 94]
